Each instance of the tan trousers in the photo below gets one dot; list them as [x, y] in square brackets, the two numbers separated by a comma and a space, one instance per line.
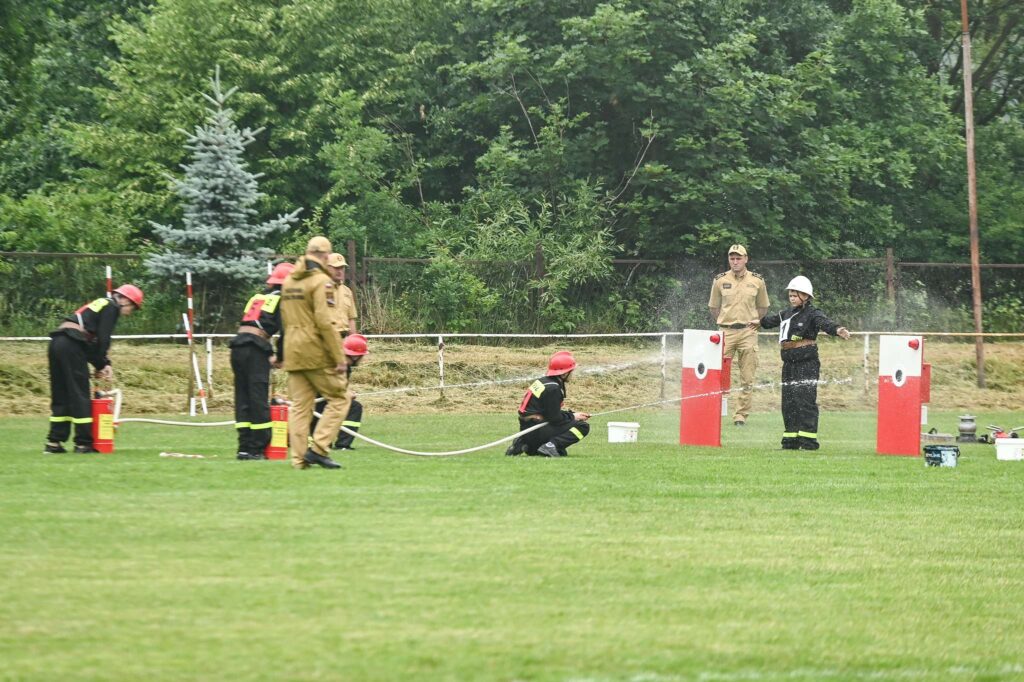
[302, 389]
[741, 346]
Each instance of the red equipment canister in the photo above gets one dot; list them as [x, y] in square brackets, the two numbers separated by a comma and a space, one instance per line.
[278, 448]
[103, 424]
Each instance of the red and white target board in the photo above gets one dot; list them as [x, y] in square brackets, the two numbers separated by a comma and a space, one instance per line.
[700, 417]
[902, 390]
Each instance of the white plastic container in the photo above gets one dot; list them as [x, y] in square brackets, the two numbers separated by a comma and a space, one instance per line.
[623, 432]
[1007, 449]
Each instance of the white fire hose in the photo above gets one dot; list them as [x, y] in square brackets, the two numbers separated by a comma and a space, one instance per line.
[118, 398]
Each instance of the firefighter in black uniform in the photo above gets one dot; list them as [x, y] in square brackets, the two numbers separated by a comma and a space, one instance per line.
[798, 330]
[251, 359]
[83, 338]
[543, 403]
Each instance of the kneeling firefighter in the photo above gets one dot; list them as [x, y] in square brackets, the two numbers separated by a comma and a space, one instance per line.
[251, 359]
[356, 347]
[543, 403]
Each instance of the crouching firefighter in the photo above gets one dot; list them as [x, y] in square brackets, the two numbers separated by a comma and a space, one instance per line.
[251, 359]
[543, 403]
[355, 347]
[83, 338]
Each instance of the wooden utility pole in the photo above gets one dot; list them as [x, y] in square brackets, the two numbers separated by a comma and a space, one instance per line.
[972, 195]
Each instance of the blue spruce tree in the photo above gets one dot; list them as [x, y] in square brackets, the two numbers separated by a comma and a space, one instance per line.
[218, 241]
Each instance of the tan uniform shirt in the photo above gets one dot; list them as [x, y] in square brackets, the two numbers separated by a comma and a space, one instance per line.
[738, 298]
[307, 316]
[344, 308]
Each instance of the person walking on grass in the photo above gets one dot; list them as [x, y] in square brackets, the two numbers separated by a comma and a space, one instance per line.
[543, 402]
[83, 338]
[737, 295]
[252, 356]
[799, 327]
[314, 358]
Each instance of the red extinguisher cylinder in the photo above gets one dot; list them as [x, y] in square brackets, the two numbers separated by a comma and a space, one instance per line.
[278, 448]
[103, 424]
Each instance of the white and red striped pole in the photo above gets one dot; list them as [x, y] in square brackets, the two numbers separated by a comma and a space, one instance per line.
[195, 371]
[189, 325]
[188, 294]
[110, 281]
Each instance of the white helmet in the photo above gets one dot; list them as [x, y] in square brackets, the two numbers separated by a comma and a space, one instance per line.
[801, 284]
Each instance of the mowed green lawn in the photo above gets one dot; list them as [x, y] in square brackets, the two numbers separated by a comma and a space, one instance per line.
[644, 562]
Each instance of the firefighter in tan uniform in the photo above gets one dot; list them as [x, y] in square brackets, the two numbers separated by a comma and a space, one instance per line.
[314, 357]
[345, 311]
[735, 294]
[344, 320]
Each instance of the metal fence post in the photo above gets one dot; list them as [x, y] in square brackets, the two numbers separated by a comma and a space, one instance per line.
[209, 367]
[664, 359]
[440, 362]
[867, 371]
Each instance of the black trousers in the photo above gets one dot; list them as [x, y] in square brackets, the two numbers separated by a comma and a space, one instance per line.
[800, 371]
[251, 364]
[562, 436]
[70, 400]
[353, 420]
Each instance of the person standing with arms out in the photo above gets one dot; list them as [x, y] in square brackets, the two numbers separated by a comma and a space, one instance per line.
[737, 296]
[798, 330]
[251, 359]
[313, 357]
[543, 403]
[83, 338]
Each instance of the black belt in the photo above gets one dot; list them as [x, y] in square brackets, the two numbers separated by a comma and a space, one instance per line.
[737, 325]
[532, 417]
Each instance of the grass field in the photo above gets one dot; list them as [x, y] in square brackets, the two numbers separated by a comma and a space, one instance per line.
[644, 562]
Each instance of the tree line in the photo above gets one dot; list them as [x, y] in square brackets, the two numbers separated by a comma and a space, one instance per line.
[477, 129]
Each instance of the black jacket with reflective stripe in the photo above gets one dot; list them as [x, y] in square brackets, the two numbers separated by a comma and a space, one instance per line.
[98, 318]
[263, 311]
[796, 324]
[545, 397]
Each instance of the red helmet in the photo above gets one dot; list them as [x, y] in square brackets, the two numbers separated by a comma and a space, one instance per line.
[281, 270]
[560, 363]
[355, 344]
[131, 292]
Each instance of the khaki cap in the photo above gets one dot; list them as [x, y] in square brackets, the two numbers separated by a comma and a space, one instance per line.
[318, 245]
[336, 260]
[738, 248]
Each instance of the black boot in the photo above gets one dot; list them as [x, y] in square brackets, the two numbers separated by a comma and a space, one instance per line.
[312, 457]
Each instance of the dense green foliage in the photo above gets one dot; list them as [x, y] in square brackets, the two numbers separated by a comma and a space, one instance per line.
[618, 563]
[472, 130]
[217, 241]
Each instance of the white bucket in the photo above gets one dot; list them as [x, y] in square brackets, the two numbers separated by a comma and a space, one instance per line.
[623, 432]
[1007, 449]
